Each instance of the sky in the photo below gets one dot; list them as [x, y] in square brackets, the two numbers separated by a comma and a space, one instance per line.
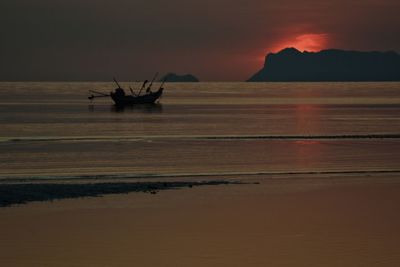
[216, 40]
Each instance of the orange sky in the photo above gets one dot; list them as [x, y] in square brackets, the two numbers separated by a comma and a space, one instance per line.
[311, 42]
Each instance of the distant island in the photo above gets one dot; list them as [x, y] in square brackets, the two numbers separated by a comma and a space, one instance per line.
[329, 65]
[172, 77]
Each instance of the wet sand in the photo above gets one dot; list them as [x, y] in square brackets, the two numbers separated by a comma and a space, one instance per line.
[340, 220]
[22, 193]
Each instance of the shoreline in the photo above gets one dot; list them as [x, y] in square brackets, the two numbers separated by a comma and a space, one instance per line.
[16, 192]
[308, 221]
[23, 193]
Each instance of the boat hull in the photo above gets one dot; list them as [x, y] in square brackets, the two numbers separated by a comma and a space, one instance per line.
[126, 100]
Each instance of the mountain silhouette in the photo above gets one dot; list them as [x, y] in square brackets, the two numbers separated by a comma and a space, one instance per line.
[172, 77]
[329, 65]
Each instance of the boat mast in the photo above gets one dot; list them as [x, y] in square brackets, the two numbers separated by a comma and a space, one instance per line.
[148, 88]
[143, 85]
[165, 79]
[117, 83]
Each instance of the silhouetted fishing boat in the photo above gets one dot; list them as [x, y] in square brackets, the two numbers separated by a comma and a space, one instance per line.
[120, 98]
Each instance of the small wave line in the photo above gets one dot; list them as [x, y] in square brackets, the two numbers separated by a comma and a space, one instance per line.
[199, 137]
[190, 175]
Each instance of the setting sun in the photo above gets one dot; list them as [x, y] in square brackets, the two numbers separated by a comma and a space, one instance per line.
[306, 42]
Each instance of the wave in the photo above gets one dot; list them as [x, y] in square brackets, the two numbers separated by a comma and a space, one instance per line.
[306, 137]
[198, 137]
[190, 175]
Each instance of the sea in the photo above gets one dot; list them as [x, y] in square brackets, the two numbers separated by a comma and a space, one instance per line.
[52, 131]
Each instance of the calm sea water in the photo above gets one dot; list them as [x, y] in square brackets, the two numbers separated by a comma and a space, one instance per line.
[51, 130]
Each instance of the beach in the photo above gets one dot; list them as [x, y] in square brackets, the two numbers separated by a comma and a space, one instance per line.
[309, 220]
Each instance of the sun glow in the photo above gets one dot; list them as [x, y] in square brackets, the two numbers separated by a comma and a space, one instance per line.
[306, 42]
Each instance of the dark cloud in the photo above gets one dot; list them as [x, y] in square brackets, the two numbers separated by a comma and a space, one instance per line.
[215, 40]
